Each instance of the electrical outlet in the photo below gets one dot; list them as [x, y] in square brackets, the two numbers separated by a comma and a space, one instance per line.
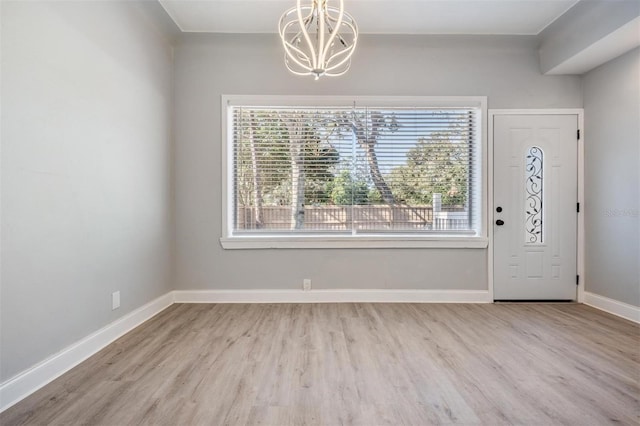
[306, 284]
[115, 300]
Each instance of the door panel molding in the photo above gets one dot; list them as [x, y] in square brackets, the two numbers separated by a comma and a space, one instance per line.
[579, 113]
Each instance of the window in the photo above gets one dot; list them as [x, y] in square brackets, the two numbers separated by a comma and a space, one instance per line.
[353, 172]
[534, 166]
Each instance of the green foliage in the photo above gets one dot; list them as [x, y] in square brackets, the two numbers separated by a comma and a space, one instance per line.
[344, 190]
[271, 140]
[439, 164]
[319, 162]
[267, 133]
[375, 197]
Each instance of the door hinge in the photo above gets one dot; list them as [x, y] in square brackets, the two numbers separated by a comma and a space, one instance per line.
[577, 279]
[578, 134]
[578, 207]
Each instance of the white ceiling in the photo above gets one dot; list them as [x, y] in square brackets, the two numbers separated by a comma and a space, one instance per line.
[376, 16]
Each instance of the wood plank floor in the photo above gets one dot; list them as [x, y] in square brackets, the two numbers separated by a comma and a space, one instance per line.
[364, 364]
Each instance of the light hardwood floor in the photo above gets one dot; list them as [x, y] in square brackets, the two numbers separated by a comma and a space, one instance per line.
[365, 364]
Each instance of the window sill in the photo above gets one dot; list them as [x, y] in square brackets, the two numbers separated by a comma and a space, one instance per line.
[348, 242]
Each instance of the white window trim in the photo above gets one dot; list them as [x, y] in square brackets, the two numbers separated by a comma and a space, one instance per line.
[271, 241]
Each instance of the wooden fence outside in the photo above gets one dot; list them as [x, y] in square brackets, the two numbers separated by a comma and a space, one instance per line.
[337, 218]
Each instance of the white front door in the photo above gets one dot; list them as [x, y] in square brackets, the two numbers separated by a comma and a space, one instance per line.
[535, 207]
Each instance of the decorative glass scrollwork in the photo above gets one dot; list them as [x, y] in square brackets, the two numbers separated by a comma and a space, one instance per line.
[534, 196]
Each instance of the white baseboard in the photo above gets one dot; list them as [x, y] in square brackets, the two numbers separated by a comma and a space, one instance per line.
[332, 296]
[29, 381]
[624, 310]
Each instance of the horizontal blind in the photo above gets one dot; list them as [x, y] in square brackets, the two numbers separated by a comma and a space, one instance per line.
[355, 170]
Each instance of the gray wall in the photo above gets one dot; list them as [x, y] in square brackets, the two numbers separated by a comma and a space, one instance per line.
[503, 68]
[86, 171]
[612, 179]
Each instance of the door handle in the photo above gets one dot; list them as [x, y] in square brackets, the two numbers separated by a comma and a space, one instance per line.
[499, 222]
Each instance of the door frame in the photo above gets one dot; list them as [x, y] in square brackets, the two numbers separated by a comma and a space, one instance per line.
[579, 112]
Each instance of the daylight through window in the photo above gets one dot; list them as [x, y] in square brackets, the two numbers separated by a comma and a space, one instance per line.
[301, 170]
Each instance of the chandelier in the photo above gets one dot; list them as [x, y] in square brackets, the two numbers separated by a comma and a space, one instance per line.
[318, 39]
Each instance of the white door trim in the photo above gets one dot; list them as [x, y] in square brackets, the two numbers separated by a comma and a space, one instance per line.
[579, 112]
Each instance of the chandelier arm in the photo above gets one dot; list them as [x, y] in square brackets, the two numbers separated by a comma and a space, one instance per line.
[292, 70]
[284, 29]
[292, 11]
[350, 22]
[339, 37]
[352, 27]
[291, 51]
[320, 28]
[339, 56]
[288, 50]
[338, 74]
[333, 9]
[333, 33]
[348, 52]
[282, 26]
[347, 17]
[306, 34]
[309, 19]
[341, 62]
